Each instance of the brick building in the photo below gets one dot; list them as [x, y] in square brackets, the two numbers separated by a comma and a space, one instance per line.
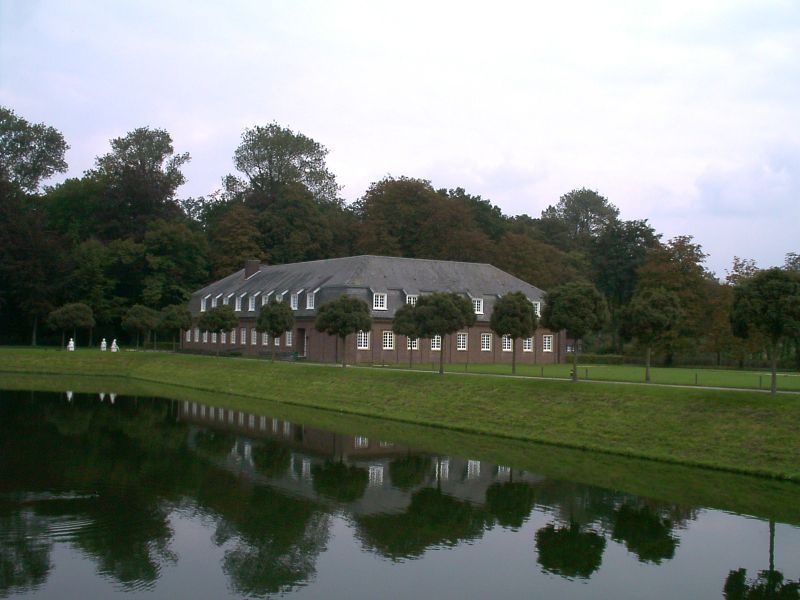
[385, 284]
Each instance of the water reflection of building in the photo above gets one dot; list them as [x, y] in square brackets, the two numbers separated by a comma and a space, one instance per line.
[311, 448]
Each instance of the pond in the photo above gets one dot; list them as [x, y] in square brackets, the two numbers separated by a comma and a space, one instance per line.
[104, 495]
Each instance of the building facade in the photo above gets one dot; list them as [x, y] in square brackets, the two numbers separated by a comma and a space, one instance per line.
[385, 284]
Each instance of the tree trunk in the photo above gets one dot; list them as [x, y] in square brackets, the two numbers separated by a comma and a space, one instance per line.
[137, 339]
[219, 341]
[575, 361]
[344, 350]
[63, 335]
[441, 355]
[513, 356]
[273, 349]
[33, 331]
[773, 363]
[410, 355]
[155, 341]
[91, 336]
[647, 365]
[75, 335]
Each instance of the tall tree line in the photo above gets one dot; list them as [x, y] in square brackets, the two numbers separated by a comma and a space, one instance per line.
[119, 236]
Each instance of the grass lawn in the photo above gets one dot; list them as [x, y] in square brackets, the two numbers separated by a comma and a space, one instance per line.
[787, 381]
[748, 432]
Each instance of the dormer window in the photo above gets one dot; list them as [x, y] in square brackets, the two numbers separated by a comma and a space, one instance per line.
[379, 301]
[537, 308]
[238, 306]
[477, 305]
[293, 301]
[204, 303]
[310, 300]
[411, 299]
[251, 302]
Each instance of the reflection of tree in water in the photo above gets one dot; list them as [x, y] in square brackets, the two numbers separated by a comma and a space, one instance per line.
[409, 471]
[271, 459]
[432, 519]
[570, 551]
[217, 444]
[24, 552]
[645, 533]
[510, 503]
[275, 539]
[768, 585]
[338, 481]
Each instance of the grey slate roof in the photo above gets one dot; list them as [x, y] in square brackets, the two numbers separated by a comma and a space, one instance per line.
[362, 276]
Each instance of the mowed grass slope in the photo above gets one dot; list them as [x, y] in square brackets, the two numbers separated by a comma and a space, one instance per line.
[746, 432]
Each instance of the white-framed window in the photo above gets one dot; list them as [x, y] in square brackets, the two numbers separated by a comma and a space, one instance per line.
[461, 342]
[388, 340]
[527, 344]
[251, 301]
[223, 338]
[310, 300]
[293, 301]
[238, 304]
[277, 340]
[537, 308]
[215, 300]
[361, 442]
[265, 298]
[477, 305]
[436, 343]
[508, 343]
[196, 334]
[486, 342]
[204, 303]
[412, 343]
[289, 339]
[473, 469]
[233, 336]
[265, 339]
[188, 335]
[227, 299]
[362, 340]
[213, 337]
[547, 343]
[379, 301]
[205, 337]
[253, 337]
[411, 299]
[243, 335]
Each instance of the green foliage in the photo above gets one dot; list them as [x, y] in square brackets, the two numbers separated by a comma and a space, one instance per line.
[338, 481]
[442, 313]
[577, 307]
[569, 551]
[71, 316]
[176, 262]
[275, 318]
[29, 152]
[768, 585]
[273, 155]
[174, 318]
[218, 319]
[651, 313]
[513, 315]
[409, 471]
[510, 502]
[343, 316]
[233, 238]
[645, 533]
[140, 320]
[584, 214]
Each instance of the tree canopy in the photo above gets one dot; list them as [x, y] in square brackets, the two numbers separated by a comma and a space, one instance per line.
[651, 313]
[513, 315]
[29, 152]
[343, 316]
[274, 318]
[442, 313]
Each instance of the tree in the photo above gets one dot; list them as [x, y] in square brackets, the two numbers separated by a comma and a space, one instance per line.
[341, 317]
[513, 315]
[140, 319]
[338, 481]
[275, 318]
[218, 319]
[769, 304]
[585, 213]
[29, 152]
[273, 155]
[577, 307]
[651, 313]
[233, 237]
[405, 323]
[443, 313]
[71, 316]
[569, 551]
[173, 319]
[142, 174]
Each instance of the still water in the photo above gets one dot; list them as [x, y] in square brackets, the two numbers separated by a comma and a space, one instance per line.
[104, 495]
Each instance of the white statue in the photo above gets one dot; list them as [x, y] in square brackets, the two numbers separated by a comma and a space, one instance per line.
[114, 347]
[69, 395]
[112, 397]
[102, 396]
[71, 345]
[103, 345]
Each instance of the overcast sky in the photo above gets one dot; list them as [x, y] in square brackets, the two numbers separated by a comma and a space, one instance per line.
[684, 112]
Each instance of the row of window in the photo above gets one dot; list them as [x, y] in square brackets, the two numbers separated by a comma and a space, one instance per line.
[387, 342]
[254, 337]
[379, 301]
[294, 300]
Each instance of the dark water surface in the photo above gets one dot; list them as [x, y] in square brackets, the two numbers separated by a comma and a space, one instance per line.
[104, 495]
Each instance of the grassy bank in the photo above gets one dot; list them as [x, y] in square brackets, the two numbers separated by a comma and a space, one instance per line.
[727, 378]
[735, 431]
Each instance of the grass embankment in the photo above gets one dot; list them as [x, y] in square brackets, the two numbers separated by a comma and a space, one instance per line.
[746, 432]
[703, 377]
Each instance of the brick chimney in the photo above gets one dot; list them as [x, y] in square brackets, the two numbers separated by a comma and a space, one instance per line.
[251, 266]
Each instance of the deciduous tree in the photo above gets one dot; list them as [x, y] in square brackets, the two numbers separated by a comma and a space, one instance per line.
[577, 307]
[513, 315]
[174, 319]
[768, 303]
[29, 152]
[275, 318]
[140, 320]
[443, 313]
[72, 316]
[341, 317]
[218, 319]
[405, 323]
[651, 313]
